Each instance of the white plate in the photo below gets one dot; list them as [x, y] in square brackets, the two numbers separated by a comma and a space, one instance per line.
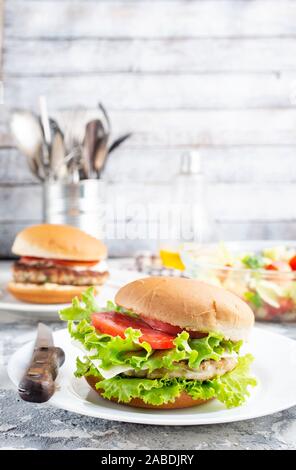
[44, 311]
[274, 367]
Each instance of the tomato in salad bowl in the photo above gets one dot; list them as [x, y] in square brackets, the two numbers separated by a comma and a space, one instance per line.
[263, 273]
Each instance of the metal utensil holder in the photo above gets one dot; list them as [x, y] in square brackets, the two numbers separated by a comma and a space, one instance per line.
[80, 204]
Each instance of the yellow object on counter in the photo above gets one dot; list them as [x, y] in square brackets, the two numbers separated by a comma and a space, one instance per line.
[171, 259]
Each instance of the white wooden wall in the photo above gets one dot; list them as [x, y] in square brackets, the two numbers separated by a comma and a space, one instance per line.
[215, 74]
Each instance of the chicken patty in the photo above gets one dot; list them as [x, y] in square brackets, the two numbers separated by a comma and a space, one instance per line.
[206, 371]
[35, 274]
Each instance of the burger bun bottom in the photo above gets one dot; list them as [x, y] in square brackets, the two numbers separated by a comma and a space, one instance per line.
[46, 293]
[182, 401]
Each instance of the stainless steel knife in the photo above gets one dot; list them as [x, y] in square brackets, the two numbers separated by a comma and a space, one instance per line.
[38, 382]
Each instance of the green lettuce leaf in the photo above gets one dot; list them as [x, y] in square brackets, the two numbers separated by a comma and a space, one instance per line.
[155, 392]
[111, 350]
[81, 310]
[210, 347]
[231, 389]
[84, 368]
[253, 261]
[254, 298]
[129, 351]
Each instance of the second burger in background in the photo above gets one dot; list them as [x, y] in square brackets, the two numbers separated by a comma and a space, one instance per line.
[57, 263]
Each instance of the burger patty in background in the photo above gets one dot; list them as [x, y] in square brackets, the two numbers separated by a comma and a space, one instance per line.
[56, 264]
[39, 274]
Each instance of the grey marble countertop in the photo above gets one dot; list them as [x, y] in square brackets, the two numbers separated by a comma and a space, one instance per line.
[25, 425]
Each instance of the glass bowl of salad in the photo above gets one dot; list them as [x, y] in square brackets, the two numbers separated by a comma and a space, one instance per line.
[263, 273]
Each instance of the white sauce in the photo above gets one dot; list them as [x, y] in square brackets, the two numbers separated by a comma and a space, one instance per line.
[99, 267]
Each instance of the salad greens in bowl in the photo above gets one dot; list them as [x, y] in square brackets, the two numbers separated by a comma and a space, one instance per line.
[263, 273]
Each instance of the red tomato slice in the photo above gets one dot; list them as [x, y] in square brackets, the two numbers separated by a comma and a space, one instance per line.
[271, 267]
[29, 259]
[286, 305]
[171, 329]
[278, 266]
[61, 262]
[162, 326]
[197, 335]
[64, 262]
[292, 263]
[115, 324]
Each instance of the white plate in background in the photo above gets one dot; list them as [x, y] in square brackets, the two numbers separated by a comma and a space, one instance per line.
[274, 368]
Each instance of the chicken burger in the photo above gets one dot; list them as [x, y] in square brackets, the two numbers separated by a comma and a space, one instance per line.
[165, 343]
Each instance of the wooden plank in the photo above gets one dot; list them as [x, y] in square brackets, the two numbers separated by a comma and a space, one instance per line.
[126, 18]
[1, 54]
[154, 56]
[224, 230]
[136, 92]
[227, 202]
[262, 165]
[167, 129]
[220, 164]
[14, 168]
[8, 232]
[232, 202]
[1, 35]
[252, 201]
[5, 137]
[20, 203]
[258, 230]
[214, 128]
[170, 129]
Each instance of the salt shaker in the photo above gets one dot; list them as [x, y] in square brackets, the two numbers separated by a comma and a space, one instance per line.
[189, 220]
[189, 195]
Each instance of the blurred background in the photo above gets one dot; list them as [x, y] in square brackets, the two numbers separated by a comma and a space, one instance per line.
[215, 76]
